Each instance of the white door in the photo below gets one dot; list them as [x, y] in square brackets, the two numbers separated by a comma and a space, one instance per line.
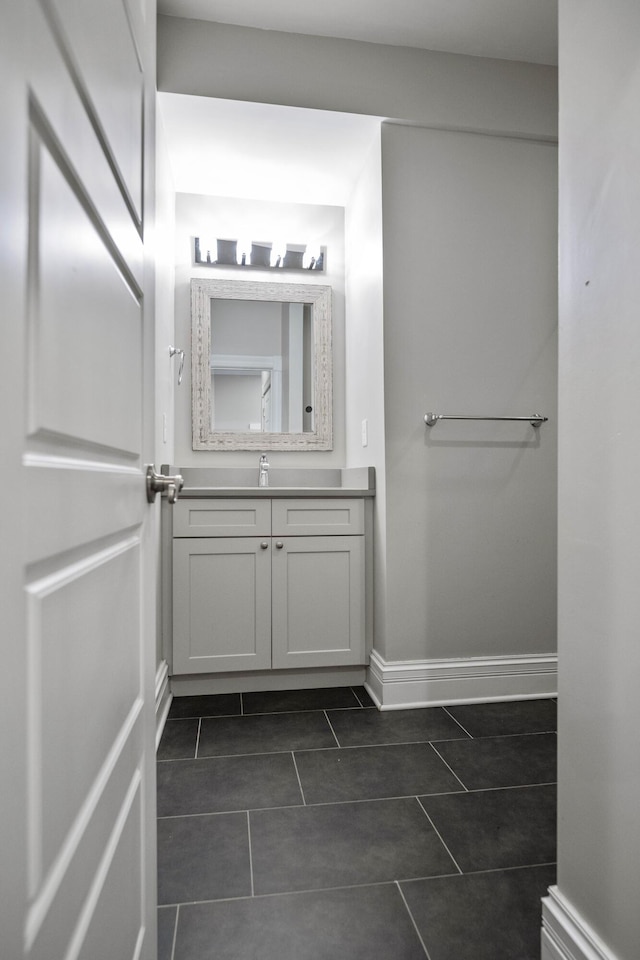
[77, 706]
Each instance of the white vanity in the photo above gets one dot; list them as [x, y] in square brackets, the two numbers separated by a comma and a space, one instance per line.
[268, 580]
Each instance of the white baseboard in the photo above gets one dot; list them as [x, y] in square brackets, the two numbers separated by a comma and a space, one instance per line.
[566, 935]
[163, 698]
[399, 685]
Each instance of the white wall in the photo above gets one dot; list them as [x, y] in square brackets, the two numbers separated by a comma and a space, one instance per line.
[365, 351]
[296, 223]
[599, 505]
[470, 327]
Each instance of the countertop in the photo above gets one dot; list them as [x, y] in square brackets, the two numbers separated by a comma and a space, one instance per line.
[231, 483]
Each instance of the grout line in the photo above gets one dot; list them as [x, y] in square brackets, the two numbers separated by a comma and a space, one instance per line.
[239, 756]
[457, 865]
[328, 803]
[395, 796]
[415, 925]
[519, 866]
[195, 756]
[308, 806]
[250, 853]
[300, 749]
[293, 757]
[450, 768]
[515, 786]
[175, 934]
[331, 727]
[355, 693]
[358, 708]
[458, 722]
[294, 893]
[507, 736]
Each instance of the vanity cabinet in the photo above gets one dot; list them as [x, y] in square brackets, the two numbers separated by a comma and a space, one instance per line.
[268, 584]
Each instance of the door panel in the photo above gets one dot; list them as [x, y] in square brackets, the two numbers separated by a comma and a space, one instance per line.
[116, 925]
[112, 75]
[84, 654]
[61, 109]
[100, 819]
[85, 324]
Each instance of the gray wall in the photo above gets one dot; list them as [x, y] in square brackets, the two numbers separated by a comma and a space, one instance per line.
[420, 86]
[470, 327]
[599, 507]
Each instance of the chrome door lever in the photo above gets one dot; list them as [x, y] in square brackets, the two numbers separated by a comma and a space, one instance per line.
[158, 483]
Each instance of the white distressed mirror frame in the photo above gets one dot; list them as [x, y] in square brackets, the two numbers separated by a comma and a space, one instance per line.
[319, 296]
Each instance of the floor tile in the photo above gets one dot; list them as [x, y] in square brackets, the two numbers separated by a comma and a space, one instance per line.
[166, 930]
[229, 783]
[361, 923]
[310, 848]
[214, 705]
[500, 913]
[203, 858]
[178, 740]
[277, 701]
[368, 773]
[493, 829]
[359, 728]
[268, 733]
[502, 761]
[515, 716]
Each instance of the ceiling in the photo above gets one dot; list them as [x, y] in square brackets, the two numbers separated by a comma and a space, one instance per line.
[262, 151]
[506, 29]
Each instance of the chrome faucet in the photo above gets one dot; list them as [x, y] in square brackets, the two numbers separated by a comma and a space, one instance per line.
[263, 475]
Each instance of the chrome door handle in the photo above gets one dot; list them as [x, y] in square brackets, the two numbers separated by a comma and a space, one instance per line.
[158, 483]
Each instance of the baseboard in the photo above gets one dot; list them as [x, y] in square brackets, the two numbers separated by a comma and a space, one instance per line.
[258, 680]
[163, 698]
[399, 685]
[566, 935]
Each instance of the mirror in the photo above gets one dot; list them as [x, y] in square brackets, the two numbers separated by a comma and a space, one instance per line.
[261, 365]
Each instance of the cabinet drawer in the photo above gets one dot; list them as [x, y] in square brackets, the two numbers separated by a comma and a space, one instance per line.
[305, 518]
[222, 518]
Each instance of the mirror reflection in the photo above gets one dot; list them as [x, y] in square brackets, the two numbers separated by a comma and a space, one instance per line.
[262, 366]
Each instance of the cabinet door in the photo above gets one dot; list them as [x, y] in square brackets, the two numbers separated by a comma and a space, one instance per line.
[221, 604]
[318, 601]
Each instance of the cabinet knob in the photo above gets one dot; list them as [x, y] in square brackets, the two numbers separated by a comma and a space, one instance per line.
[279, 544]
[264, 545]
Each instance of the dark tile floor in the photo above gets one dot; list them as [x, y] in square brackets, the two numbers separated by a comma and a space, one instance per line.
[306, 825]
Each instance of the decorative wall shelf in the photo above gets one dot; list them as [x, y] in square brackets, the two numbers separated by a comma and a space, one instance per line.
[227, 254]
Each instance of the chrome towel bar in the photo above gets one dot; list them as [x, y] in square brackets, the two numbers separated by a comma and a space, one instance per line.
[432, 418]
